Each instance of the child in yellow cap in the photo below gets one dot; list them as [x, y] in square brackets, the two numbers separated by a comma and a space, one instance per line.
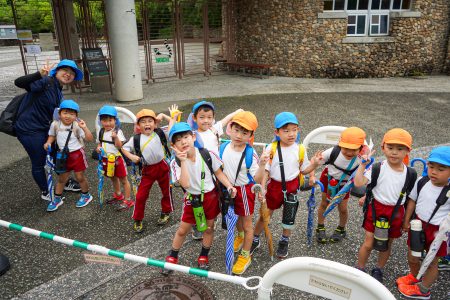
[389, 184]
[150, 147]
[240, 164]
[341, 160]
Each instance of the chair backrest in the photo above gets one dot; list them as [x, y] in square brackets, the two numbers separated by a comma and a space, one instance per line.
[324, 278]
[125, 116]
[324, 135]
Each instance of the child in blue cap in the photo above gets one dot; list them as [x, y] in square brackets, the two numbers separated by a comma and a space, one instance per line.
[69, 132]
[430, 205]
[287, 162]
[193, 168]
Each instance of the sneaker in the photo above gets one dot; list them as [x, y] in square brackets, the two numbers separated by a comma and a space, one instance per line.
[444, 263]
[115, 199]
[413, 291]
[45, 196]
[196, 235]
[203, 262]
[238, 243]
[241, 264]
[321, 235]
[126, 204]
[337, 235]
[163, 219]
[138, 226]
[72, 186]
[84, 200]
[255, 245]
[52, 206]
[282, 250]
[377, 274]
[172, 260]
[408, 280]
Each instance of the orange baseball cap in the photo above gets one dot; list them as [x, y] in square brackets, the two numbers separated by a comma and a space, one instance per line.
[246, 119]
[145, 113]
[398, 136]
[352, 138]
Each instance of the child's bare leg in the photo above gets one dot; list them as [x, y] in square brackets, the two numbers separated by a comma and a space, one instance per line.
[365, 250]
[79, 176]
[432, 273]
[384, 256]
[343, 213]
[322, 207]
[126, 187]
[208, 234]
[247, 227]
[61, 183]
[414, 263]
[239, 226]
[180, 235]
[259, 226]
[116, 185]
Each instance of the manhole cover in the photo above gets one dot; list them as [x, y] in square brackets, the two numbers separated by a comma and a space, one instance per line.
[169, 288]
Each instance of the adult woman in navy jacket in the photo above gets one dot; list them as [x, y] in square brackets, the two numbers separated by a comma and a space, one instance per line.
[36, 113]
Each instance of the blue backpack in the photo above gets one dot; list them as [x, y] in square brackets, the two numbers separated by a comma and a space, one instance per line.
[247, 154]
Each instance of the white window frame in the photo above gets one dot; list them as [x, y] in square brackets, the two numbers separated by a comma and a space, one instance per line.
[401, 5]
[391, 4]
[356, 14]
[379, 13]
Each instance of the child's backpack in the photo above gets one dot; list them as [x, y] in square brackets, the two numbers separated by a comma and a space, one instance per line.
[247, 154]
[301, 157]
[334, 154]
[162, 137]
[76, 130]
[441, 200]
[101, 140]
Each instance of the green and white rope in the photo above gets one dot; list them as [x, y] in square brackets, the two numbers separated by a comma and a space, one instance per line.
[139, 259]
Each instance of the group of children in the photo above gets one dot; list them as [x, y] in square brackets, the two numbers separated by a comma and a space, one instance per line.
[207, 169]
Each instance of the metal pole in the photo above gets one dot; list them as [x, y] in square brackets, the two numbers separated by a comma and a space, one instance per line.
[13, 8]
[130, 257]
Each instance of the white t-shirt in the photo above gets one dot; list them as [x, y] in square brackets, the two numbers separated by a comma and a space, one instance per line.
[426, 203]
[209, 137]
[341, 162]
[153, 152]
[108, 147]
[231, 159]
[389, 184]
[195, 172]
[291, 163]
[61, 136]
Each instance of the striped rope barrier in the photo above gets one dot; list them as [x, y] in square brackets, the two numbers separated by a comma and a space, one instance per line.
[244, 281]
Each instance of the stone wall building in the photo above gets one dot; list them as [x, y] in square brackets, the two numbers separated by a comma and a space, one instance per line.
[342, 38]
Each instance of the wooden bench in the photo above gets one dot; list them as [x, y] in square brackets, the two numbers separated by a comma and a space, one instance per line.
[238, 65]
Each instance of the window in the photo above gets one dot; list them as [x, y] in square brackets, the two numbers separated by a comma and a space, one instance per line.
[367, 17]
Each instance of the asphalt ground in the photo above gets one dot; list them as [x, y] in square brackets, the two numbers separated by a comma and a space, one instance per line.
[46, 270]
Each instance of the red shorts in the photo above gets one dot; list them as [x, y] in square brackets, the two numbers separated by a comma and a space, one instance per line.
[381, 210]
[274, 195]
[324, 181]
[244, 203]
[120, 168]
[430, 233]
[210, 207]
[76, 161]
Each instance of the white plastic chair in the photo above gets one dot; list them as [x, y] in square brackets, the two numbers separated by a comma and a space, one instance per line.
[324, 135]
[324, 278]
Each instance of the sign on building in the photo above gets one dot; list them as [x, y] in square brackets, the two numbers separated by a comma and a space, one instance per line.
[8, 32]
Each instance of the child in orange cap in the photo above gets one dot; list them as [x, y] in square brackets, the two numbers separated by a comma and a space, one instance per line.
[341, 161]
[389, 184]
[240, 164]
[150, 147]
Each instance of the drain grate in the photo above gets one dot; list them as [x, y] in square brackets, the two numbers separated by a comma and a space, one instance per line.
[172, 287]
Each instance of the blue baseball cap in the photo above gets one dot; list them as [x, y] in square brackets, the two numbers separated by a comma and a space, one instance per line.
[70, 104]
[285, 118]
[440, 155]
[67, 63]
[177, 128]
[108, 110]
[198, 104]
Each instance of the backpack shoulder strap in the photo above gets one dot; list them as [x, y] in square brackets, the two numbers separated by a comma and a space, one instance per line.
[163, 139]
[421, 184]
[76, 131]
[411, 177]
[207, 158]
[273, 149]
[248, 156]
[334, 154]
[137, 144]
[376, 167]
[55, 124]
[301, 158]
[222, 148]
